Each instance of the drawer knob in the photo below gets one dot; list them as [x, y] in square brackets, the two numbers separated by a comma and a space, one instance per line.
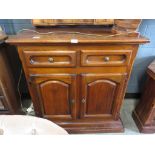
[106, 59]
[31, 61]
[50, 59]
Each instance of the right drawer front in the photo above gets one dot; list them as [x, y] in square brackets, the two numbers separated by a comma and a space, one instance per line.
[50, 58]
[105, 57]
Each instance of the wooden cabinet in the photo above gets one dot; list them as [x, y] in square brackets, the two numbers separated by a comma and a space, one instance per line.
[78, 85]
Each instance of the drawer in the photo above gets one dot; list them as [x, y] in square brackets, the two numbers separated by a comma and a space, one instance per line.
[50, 58]
[105, 57]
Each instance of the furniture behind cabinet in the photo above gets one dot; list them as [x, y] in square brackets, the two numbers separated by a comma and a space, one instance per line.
[144, 114]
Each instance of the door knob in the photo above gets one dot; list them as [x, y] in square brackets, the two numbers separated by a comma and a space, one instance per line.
[50, 59]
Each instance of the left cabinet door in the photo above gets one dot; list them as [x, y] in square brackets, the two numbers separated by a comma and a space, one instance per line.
[57, 95]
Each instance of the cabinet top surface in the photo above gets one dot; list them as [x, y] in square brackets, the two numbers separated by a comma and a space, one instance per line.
[74, 36]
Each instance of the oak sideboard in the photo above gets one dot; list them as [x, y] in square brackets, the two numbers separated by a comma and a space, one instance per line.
[78, 80]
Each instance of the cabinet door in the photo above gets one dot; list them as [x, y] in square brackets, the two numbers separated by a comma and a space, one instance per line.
[101, 95]
[57, 95]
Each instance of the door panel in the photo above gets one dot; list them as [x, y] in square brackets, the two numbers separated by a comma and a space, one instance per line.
[101, 94]
[57, 94]
[95, 99]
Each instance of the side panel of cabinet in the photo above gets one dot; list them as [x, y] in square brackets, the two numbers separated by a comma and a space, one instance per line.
[57, 95]
[101, 95]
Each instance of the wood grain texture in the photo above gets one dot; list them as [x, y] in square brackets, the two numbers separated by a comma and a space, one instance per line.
[144, 113]
[96, 91]
[100, 97]
[55, 95]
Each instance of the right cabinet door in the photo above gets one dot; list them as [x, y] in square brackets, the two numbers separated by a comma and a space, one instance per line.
[101, 95]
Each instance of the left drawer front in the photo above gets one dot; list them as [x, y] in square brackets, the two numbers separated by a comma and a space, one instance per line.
[50, 58]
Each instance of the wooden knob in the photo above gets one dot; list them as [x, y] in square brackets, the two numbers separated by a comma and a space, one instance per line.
[50, 59]
[106, 58]
[31, 61]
